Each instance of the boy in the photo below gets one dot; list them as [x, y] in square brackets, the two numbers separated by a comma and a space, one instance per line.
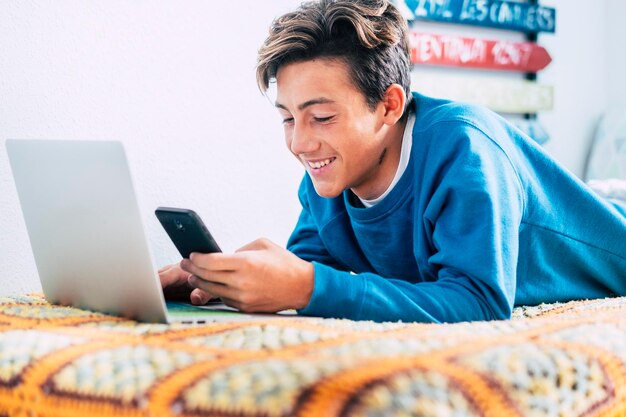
[413, 208]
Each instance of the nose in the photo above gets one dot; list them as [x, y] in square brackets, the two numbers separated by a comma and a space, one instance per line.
[301, 140]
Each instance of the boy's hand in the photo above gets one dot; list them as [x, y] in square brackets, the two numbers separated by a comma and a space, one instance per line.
[259, 277]
[174, 282]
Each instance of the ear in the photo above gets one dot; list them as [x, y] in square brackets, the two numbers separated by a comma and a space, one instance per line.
[394, 102]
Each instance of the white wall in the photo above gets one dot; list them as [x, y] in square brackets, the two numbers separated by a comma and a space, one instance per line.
[616, 53]
[579, 73]
[174, 81]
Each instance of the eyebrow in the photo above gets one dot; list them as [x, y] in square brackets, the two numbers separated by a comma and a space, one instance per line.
[308, 103]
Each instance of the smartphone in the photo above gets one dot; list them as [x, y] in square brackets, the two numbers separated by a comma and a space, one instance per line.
[186, 230]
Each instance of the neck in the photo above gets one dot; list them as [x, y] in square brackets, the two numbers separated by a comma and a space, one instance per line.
[388, 160]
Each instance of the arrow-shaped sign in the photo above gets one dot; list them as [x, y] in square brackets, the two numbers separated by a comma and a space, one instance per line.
[509, 15]
[477, 53]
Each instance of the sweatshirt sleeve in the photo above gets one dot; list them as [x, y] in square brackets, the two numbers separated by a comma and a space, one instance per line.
[472, 220]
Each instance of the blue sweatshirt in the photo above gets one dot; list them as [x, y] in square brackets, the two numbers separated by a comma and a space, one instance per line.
[481, 220]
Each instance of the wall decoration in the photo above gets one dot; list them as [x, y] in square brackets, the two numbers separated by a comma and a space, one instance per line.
[500, 95]
[509, 15]
[524, 97]
[451, 50]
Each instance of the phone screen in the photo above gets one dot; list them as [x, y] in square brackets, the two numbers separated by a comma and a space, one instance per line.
[186, 230]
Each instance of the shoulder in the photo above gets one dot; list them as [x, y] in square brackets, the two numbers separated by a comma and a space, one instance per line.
[439, 115]
[457, 143]
[444, 127]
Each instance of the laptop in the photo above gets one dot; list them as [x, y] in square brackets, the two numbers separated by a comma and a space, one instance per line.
[87, 234]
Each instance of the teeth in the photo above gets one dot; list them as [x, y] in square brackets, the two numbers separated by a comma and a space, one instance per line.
[320, 164]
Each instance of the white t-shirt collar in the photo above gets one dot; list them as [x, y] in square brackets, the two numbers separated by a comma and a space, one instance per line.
[405, 155]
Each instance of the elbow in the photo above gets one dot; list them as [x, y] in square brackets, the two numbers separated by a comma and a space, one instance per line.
[498, 307]
[493, 303]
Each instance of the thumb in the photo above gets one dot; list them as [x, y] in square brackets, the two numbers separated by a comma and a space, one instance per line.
[200, 297]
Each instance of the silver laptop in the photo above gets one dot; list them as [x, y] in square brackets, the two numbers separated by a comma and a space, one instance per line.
[87, 233]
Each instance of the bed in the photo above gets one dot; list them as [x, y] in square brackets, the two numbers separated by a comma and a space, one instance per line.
[550, 360]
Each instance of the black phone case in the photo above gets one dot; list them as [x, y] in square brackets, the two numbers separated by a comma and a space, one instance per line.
[186, 230]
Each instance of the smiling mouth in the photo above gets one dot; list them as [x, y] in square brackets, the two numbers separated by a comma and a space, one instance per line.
[320, 164]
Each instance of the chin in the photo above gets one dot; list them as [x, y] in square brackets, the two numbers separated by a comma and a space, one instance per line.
[327, 192]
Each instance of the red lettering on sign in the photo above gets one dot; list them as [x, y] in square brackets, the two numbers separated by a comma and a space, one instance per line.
[477, 53]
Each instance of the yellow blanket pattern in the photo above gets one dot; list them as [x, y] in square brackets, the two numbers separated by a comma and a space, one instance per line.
[550, 360]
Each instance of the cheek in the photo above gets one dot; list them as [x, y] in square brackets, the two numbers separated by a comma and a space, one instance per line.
[366, 126]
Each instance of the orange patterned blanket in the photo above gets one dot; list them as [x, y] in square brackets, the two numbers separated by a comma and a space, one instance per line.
[551, 360]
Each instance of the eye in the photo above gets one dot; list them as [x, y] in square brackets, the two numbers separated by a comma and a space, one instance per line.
[323, 119]
[287, 120]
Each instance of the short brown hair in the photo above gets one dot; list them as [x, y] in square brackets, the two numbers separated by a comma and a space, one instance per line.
[370, 36]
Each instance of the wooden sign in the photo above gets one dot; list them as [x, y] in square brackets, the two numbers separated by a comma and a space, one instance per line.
[477, 53]
[509, 15]
[500, 95]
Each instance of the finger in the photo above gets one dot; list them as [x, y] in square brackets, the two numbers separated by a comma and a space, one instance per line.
[191, 268]
[200, 297]
[214, 288]
[173, 276]
[216, 261]
[222, 277]
[168, 268]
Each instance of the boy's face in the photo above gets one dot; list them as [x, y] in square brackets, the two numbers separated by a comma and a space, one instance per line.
[331, 130]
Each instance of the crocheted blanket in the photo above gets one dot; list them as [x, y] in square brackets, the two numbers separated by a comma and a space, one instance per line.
[551, 360]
